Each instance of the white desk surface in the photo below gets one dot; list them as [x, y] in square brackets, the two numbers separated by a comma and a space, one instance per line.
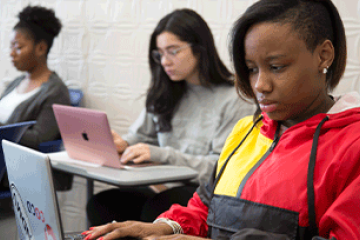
[139, 176]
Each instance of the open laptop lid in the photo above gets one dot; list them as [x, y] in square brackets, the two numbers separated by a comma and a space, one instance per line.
[86, 135]
[32, 189]
[12, 132]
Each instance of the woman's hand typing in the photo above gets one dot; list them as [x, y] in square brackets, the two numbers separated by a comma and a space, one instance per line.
[120, 143]
[137, 153]
[133, 229]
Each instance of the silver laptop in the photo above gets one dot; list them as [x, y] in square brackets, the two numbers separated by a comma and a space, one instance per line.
[32, 189]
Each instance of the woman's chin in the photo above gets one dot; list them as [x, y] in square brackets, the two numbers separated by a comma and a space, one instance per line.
[276, 116]
[175, 79]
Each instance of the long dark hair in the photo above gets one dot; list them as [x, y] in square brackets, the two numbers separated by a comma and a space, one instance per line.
[314, 20]
[40, 24]
[164, 94]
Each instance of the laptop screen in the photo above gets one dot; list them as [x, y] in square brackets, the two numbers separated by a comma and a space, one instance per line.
[31, 184]
[12, 132]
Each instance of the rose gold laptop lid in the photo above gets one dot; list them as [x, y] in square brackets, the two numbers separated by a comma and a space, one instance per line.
[86, 135]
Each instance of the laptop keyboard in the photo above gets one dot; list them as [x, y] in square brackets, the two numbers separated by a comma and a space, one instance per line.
[74, 236]
[77, 236]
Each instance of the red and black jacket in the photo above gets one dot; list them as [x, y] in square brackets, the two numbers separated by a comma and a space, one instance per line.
[299, 184]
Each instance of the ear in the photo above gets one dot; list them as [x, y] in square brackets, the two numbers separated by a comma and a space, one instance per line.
[41, 48]
[326, 54]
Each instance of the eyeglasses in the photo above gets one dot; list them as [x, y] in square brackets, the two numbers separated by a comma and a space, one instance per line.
[170, 54]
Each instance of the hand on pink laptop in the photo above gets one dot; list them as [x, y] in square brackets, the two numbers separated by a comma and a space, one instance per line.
[120, 143]
[137, 153]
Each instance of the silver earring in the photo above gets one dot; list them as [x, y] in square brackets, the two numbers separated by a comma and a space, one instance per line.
[325, 70]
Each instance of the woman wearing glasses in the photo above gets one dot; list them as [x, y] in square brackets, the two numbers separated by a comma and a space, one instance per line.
[191, 107]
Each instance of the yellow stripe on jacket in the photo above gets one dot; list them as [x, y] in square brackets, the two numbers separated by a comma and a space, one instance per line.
[248, 154]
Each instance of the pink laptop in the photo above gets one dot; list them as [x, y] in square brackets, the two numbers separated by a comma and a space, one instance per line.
[86, 135]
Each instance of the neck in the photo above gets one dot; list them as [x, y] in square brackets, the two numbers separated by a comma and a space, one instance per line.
[194, 79]
[41, 72]
[323, 105]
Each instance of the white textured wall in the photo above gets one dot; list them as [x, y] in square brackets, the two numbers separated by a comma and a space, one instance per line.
[103, 46]
[102, 49]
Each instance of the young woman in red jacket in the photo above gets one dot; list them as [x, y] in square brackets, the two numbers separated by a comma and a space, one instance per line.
[291, 171]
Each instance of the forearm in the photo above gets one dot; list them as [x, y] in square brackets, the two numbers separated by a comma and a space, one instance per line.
[142, 130]
[134, 138]
[40, 132]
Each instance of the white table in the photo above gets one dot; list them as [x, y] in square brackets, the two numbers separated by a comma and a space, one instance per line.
[138, 176]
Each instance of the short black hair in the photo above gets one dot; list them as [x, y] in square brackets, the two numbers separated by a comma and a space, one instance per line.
[314, 20]
[40, 23]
